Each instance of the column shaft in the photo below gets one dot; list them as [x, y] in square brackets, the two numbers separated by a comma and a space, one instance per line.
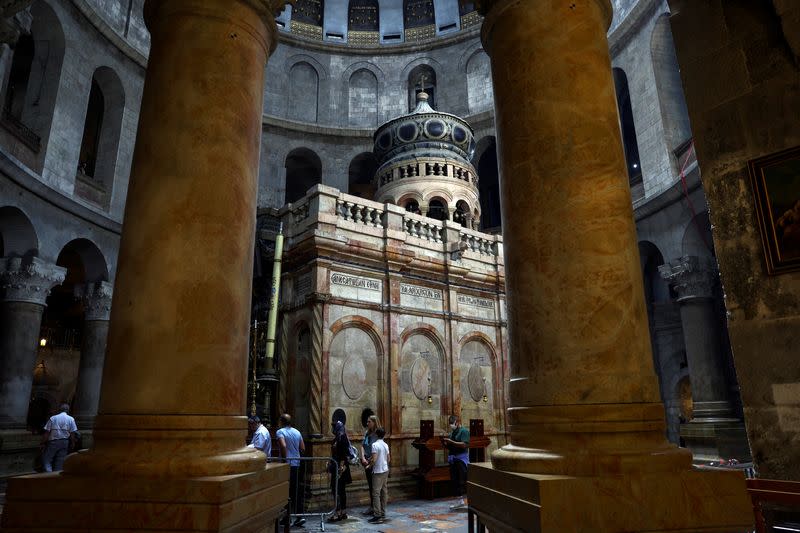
[90, 373]
[19, 340]
[178, 338]
[703, 351]
[584, 396]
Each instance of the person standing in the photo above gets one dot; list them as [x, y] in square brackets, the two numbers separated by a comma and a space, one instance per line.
[262, 440]
[458, 457]
[380, 477]
[340, 452]
[366, 454]
[291, 448]
[59, 431]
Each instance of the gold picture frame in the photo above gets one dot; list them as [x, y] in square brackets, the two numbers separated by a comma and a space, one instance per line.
[776, 186]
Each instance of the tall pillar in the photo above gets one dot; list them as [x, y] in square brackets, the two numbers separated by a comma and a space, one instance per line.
[587, 438]
[26, 283]
[715, 432]
[97, 302]
[169, 438]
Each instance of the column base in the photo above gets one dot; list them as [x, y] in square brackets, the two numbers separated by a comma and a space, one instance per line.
[241, 502]
[688, 501]
[716, 439]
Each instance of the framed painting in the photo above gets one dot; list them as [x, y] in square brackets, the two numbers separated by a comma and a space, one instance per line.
[776, 186]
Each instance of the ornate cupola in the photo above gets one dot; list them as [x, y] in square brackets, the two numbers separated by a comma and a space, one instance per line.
[424, 165]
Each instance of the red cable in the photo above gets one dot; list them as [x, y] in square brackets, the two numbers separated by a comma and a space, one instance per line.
[689, 200]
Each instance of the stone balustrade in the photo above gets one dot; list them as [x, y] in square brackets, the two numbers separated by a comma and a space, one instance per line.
[422, 227]
[444, 168]
[357, 210]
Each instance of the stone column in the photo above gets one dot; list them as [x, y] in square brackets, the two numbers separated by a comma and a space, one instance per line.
[693, 279]
[97, 302]
[169, 437]
[26, 283]
[584, 402]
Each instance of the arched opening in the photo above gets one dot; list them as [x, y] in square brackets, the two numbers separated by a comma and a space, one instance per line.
[462, 214]
[418, 13]
[363, 15]
[412, 206]
[17, 235]
[628, 128]
[303, 171]
[480, 94]
[489, 184]
[362, 109]
[101, 134]
[19, 76]
[362, 170]
[437, 209]
[304, 88]
[62, 326]
[421, 77]
[308, 12]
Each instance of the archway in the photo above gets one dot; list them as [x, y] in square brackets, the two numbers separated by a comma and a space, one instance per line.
[17, 235]
[360, 175]
[303, 171]
[488, 184]
[629, 142]
[437, 209]
[421, 77]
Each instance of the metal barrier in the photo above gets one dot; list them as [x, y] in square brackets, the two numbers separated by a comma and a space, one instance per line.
[310, 494]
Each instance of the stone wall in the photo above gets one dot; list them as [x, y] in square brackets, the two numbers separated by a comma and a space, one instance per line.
[740, 72]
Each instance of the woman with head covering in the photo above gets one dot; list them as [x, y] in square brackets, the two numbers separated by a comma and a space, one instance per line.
[340, 452]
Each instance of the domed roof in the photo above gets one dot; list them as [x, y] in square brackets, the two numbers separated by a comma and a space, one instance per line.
[426, 132]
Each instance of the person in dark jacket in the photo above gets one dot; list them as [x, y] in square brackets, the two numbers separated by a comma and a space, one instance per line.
[340, 452]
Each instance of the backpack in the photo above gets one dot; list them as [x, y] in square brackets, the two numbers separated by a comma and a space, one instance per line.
[352, 455]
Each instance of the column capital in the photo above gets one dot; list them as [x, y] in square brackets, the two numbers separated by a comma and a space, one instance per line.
[691, 276]
[96, 298]
[29, 279]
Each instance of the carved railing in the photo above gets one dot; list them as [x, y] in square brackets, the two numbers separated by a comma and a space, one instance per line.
[424, 228]
[433, 168]
[360, 213]
[478, 244]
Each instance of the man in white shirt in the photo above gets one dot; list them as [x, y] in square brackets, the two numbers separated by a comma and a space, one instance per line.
[58, 432]
[262, 440]
[380, 477]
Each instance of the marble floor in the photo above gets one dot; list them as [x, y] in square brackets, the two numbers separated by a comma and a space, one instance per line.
[405, 516]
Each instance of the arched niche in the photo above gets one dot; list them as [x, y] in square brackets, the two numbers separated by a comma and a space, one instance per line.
[478, 381]
[304, 91]
[485, 159]
[423, 383]
[303, 171]
[362, 109]
[17, 235]
[421, 77]
[628, 129]
[353, 369]
[480, 94]
[360, 175]
[102, 130]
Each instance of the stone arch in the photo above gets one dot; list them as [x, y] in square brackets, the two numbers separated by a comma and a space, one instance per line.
[438, 207]
[628, 129]
[97, 162]
[480, 93]
[361, 173]
[424, 384]
[304, 86]
[671, 100]
[362, 98]
[486, 163]
[93, 264]
[481, 394]
[44, 80]
[355, 368]
[303, 171]
[17, 235]
[410, 76]
[656, 289]
[697, 238]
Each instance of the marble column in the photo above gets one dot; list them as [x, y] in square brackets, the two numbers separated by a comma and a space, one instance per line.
[169, 436]
[97, 304]
[587, 438]
[26, 283]
[693, 279]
